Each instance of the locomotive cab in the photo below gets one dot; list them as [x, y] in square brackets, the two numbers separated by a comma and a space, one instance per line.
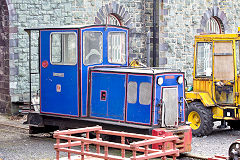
[85, 80]
[66, 56]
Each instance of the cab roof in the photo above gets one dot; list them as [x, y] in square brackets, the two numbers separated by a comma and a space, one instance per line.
[139, 70]
[218, 36]
[71, 27]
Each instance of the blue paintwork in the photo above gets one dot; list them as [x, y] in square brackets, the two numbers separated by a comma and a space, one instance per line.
[138, 113]
[114, 85]
[158, 94]
[66, 101]
[105, 60]
[74, 85]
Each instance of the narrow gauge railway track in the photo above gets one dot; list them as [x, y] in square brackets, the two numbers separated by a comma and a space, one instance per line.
[24, 131]
[189, 156]
[13, 128]
[10, 125]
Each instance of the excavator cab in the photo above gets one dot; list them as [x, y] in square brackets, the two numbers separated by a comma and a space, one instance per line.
[216, 76]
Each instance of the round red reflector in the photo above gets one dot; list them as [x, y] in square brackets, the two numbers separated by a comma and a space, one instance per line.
[45, 64]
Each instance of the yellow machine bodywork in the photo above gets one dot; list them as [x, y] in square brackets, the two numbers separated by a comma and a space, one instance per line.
[219, 88]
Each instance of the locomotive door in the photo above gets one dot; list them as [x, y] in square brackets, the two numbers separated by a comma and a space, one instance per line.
[97, 42]
[59, 72]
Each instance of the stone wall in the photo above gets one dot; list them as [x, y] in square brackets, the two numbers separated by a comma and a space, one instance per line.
[30, 14]
[135, 14]
[180, 20]
[36, 13]
[4, 58]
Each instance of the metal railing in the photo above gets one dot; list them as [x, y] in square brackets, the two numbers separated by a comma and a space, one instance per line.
[140, 150]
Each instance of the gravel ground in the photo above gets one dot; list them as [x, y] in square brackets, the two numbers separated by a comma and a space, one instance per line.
[217, 143]
[16, 144]
[23, 147]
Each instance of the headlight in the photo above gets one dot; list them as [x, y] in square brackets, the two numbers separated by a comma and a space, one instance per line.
[180, 80]
[160, 81]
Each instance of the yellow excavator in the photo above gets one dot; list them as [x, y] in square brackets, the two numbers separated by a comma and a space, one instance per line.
[214, 95]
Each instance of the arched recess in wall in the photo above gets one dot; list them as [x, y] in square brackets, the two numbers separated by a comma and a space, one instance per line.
[214, 21]
[113, 14]
[4, 58]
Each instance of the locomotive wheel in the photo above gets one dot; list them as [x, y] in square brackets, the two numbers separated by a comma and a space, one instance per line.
[234, 151]
[200, 118]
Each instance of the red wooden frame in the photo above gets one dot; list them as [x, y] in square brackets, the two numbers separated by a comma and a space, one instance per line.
[140, 146]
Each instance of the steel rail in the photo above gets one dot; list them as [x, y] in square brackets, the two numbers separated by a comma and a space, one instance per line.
[9, 125]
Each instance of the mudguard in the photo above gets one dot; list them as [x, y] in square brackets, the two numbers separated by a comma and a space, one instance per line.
[203, 96]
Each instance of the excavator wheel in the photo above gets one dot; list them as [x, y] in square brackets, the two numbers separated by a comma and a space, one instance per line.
[234, 151]
[201, 119]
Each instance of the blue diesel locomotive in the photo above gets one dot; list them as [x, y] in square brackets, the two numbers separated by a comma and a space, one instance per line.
[85, 80]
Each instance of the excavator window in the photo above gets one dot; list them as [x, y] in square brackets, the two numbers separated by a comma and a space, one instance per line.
[204, 59]
[237, 56]
[223, 60]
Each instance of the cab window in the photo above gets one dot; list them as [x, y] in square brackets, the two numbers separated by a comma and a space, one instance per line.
[223, 60]
[237, 56]
[63, 48]
[92, 47]
[117, 47]
[132, 92]
[145, 93]
[203, 59]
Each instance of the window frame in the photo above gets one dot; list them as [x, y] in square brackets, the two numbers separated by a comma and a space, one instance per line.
[62, 52]
[140, 97]
[113, 18]
[213, 24]
[136, 97]
[196, 60]
[83, 49]
[108, 54]
[224, 54]
[237, 56]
